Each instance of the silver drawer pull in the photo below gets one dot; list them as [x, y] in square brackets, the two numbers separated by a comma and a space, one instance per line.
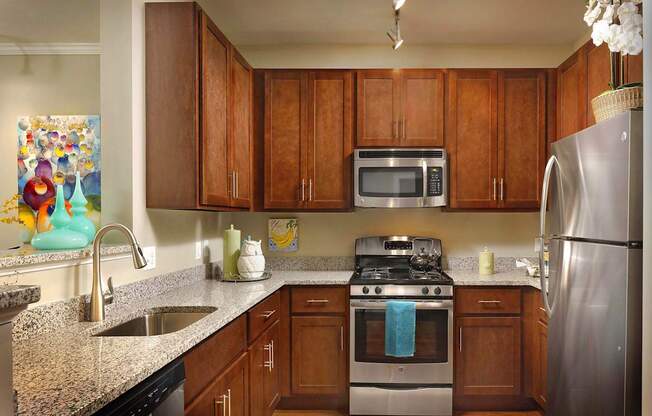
[267, 314]
[490, 301]
[322, 301]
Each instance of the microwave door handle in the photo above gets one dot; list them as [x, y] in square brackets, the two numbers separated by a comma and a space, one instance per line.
[424, 167]
[542, 229]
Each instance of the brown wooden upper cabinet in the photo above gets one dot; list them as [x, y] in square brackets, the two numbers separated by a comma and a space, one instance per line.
[199, 112]
[495, 137]
[400, 108]
[308, 139]
[582, 77]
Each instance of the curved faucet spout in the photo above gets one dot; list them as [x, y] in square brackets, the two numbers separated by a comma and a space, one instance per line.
[97, 292]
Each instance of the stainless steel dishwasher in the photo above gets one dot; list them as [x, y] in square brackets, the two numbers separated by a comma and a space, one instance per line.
[161, 394]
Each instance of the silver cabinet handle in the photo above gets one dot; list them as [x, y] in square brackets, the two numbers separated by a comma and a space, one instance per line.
[460, 339]
[267, 314]
[303, 189]
[220, 403]
[542, 230]
[310, 189]
[502, 189]
[237, 191]
[494, 184]
[396, 130]
[271, 353]
[489, 301]
[270, 361]
[229, 397]
[403, 129]
[318, 301]
[341, 338]
[230, 186]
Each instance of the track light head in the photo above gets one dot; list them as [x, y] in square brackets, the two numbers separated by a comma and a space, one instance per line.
[397, 4]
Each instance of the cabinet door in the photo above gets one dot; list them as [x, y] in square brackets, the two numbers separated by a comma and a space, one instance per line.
[598, 75]
[521, 137]
[542, 365]
[240, 145]
[285, 115]
[488, 356]
[329, 139]
[234, 386]
[318, 355]
[214, 180]
[633, 68]
[472, 139]
[378, 96]
[422, 95]
[571, 95]
[207, 402]
[264, 382]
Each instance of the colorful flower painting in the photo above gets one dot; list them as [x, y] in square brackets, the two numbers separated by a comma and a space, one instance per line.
[51, 150]
[283, 234]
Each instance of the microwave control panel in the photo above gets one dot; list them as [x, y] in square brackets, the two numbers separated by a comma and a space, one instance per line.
[435, 181]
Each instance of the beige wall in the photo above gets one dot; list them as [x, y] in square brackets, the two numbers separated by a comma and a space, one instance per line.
[462, 234]
[418, 56]
[39, 85]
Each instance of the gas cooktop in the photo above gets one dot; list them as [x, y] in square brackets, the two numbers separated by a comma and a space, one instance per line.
[383, 268]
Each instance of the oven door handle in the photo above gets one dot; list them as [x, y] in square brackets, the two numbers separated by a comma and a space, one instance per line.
[444, 304]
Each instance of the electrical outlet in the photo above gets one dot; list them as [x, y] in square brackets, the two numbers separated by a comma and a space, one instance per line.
[537, 244]
[198, 250]
[150, 256]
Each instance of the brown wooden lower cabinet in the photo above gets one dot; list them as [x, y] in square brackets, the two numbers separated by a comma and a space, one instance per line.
[318, 355]
[264, 371]
[226, 395]
[541, 369]
[488, 357]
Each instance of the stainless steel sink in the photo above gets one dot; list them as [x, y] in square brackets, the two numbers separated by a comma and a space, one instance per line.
[155, 323]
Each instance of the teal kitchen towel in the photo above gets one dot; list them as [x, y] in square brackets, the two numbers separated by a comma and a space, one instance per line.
[400, 326]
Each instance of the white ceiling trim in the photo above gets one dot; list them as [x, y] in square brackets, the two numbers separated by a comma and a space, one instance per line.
[50, 49]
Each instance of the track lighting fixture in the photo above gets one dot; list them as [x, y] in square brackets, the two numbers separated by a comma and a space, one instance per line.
[398, 4]
[395, 34]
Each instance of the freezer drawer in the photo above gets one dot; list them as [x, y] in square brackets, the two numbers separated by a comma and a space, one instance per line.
[390, 400]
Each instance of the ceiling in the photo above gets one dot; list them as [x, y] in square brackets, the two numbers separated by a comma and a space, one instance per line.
[518, 22]
[49, 21]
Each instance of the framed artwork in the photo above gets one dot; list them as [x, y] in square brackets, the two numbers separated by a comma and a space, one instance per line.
[283, 234]
[51, 150]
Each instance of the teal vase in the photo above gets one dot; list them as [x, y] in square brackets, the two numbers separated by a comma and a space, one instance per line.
[80, 221]
[60, 237]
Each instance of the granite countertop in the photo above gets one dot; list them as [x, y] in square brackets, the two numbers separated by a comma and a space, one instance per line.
[15, 296]
[70, 372]
[29, 256]
[516, 277]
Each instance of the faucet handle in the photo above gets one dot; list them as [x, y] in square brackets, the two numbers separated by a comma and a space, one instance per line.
[108, 298]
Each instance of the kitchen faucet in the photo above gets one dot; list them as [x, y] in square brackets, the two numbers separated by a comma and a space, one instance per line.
[98, 299]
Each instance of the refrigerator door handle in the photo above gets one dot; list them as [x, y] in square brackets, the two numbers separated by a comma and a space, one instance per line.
[542, 229]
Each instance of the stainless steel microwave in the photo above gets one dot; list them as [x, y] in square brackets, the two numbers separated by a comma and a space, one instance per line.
[400, 178]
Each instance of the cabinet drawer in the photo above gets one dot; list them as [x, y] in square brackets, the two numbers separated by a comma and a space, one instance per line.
[205, 362]
[319, 300]
[264, 315]
[489, 301]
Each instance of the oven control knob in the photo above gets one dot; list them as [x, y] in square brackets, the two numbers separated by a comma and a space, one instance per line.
[437, 290]
[365, 290]
[378, 290]
[425, 290]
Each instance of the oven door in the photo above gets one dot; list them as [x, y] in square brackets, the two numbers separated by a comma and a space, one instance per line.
[390, 183]
[432, 362]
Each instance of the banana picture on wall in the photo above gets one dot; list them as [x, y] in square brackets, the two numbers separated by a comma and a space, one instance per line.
[283, 234]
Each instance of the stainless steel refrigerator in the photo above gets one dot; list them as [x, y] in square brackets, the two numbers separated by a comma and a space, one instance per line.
[593, 186]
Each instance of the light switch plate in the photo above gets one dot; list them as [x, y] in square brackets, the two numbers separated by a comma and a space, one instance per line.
[150, 255]
[198, 250]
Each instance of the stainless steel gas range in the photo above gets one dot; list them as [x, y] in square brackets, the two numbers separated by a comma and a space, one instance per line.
[384, 385]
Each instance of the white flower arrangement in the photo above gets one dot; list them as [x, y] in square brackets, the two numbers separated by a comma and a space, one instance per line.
[621, 25]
